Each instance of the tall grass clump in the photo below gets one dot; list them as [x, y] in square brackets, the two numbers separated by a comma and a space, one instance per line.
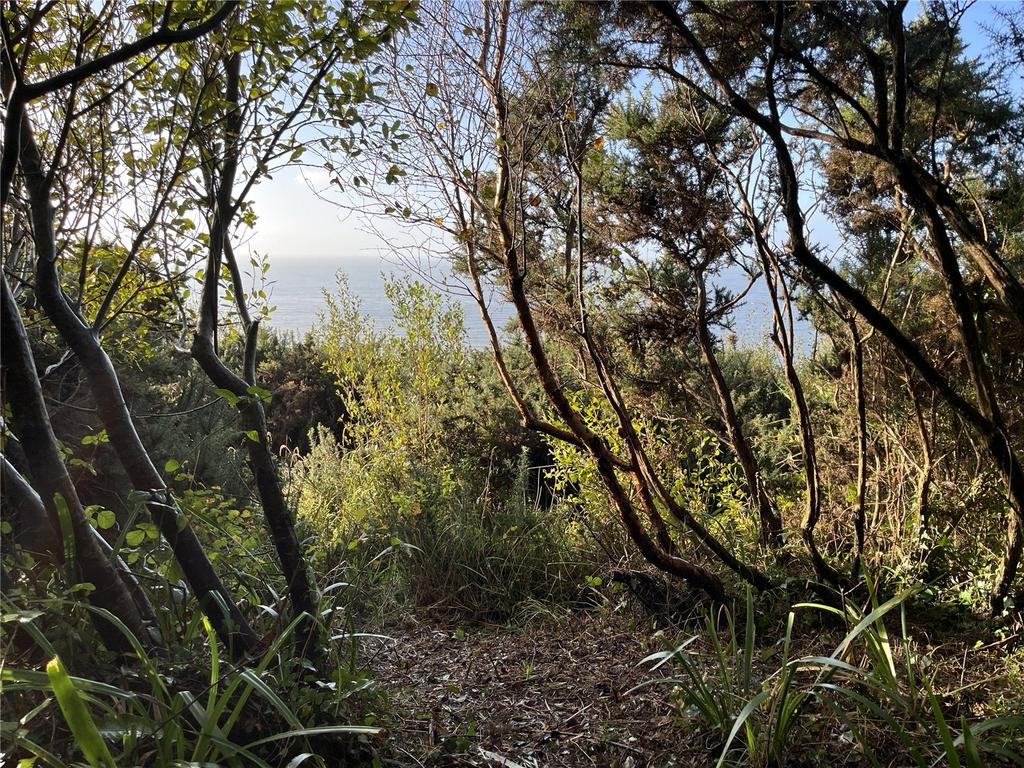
[872, 695]
[66, 702]
[175, 696]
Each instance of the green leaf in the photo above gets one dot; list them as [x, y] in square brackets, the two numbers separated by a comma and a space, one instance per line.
[263, 394]
[321, 731]
[96, 439]
[253, 435]
[431, 89]
[106, 519]
[82, 726]
[134, 538]
[228, 395]
[171, 465]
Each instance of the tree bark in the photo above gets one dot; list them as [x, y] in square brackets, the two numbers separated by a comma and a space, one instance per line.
[860, 503]
[57, 494]
[103, 382]
[31, 527]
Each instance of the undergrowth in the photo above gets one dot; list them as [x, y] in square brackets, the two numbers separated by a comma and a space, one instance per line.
[875, 694]
[183, 703]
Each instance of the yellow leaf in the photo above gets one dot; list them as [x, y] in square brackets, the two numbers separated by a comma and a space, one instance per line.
[599, 143]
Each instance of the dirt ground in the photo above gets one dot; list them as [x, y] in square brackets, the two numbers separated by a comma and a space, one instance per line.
[554, 693]
[562, 691]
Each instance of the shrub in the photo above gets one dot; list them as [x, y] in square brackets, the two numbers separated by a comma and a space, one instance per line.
[431, 466]
[880, 693]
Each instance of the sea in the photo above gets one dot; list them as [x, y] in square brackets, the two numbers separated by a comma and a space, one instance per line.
[296, 287]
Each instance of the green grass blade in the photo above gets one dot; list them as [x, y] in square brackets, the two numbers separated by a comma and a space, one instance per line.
[871, 618]
[952, 756]
[321, 731]
[971, 753]
[275, 701]
[744, 714]
[77, 716]
[748, 643]
[16, 679]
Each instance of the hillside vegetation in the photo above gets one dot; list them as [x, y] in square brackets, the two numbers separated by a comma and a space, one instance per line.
[631, 531]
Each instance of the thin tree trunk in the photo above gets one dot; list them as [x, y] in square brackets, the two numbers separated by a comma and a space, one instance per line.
[31, 527]
[924, 479]
[57, 493]
[768, 517]
[860, 505]
[214, 599]
[276, 513]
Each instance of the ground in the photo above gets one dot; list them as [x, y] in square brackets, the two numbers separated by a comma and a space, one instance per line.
[557, 692]
[572, 689]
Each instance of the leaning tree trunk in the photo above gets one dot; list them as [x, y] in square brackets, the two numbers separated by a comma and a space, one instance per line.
[215, 600]
[278, 516]
[31, 423]
[32, 529]
[809, 456]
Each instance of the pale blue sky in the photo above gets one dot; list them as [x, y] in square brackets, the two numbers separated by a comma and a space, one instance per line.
[294, 222]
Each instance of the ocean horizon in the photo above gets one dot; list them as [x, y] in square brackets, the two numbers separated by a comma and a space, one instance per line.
[296, 285]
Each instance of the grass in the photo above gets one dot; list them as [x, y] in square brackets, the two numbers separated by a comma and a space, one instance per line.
[159, 713]
[877, 690]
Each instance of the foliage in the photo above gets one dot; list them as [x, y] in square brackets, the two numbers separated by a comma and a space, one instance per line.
[767, 704]
[628, 175]
[159, 710]
[461, 527]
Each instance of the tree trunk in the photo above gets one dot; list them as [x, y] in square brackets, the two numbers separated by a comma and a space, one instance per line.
[31, 527]
[860, 505]
[57, 494]
[278, 517]
[268, 485]
[103, 382]
[768, 516]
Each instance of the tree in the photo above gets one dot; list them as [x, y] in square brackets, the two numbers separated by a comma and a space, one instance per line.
[487, 191]
[22, 86]
[789, 81]
[280, 82]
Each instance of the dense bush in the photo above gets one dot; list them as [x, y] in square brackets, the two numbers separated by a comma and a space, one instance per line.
[431, 465]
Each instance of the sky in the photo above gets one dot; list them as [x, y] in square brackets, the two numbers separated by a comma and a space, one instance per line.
[294, 222]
